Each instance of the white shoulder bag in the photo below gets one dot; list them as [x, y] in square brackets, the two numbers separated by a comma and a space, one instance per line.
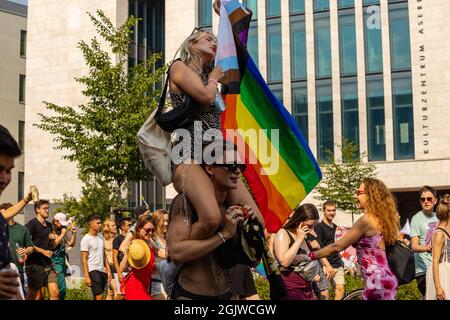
[155, 145]
[444, 274]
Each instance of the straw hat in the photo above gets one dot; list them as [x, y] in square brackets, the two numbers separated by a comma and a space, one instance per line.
[139, 254]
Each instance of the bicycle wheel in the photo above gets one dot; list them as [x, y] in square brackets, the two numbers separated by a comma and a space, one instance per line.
[355, 295]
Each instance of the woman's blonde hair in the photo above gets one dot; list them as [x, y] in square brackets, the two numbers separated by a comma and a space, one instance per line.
[381, 204]
[443, 208]
[158, 221]
[190, 55]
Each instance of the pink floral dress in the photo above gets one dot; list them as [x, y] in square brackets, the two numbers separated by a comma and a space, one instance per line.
[381, 283]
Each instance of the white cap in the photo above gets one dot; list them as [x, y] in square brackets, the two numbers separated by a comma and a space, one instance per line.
[62, 218]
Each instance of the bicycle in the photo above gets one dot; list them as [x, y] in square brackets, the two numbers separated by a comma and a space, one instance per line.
[355, 295]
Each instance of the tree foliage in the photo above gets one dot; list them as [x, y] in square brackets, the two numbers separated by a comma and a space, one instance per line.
[98, 196]
[343, 176]
[100, 135]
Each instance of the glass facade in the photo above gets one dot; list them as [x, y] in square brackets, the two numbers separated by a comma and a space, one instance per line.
[21, 135]
[370, 2]
[298, 48]
[23, 43]
[372, 43]
[252, 43]
[252, 40]
[324, 110]
[346, 4]
[347, 43]
[321, 5]
[273, 8]
[204, 14]
[402, 102]
[149, 37]
[277, 90]
[22, 88]
[375, 118]
[20, 185]
[399, 36]
[274, 56]
[349, 110]
[253, 6]
[300, 106]
[322, 44]
[296, 6]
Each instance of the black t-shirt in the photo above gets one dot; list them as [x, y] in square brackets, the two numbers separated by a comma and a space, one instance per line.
[39, 235]
[116, 245]
[325, 236]
[5, 257]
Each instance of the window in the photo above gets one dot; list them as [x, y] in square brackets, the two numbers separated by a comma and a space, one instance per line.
[252, 43]
[147, 37]
[300, 106]
[277, 90]
[346, 4]
[349, 109]
[324, 100]
[369, 2]
[23, 43]
[274, 57]
[347, 43]
[399, 35]
[321, 5]
[21, 135]
[21, 186]
[22, 88]
[322, 45]
[253, 6]
[402, 102]
[273, 8]
[375, 118]
[204, 14]
[296, 6]
[298, 48]
[372, 42]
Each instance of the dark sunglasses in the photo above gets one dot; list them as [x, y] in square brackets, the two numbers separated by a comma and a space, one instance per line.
[429, 199]
[232, 167]
[148, 230]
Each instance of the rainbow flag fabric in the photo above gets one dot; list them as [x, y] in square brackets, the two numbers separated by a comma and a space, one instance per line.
[281, 170]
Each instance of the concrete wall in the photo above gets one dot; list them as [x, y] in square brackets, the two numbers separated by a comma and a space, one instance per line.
[11, 66]
[54, 61]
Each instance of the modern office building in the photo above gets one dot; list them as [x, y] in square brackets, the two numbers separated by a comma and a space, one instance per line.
[13, 52]
[376, 72]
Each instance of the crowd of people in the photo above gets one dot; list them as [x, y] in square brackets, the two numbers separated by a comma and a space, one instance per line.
[155, 257]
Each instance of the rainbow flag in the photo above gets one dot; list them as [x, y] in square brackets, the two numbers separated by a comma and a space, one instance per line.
[251, 107]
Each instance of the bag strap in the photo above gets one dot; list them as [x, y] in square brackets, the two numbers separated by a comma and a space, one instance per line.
[162, 98]
[443, 230]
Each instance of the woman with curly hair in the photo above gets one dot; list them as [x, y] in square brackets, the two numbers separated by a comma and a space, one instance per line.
[370, 235]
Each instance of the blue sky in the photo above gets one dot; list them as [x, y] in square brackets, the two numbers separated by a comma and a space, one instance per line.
[25, 2]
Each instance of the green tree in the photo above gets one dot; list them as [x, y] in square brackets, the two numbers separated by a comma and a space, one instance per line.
[100, 135]
[343, 176]
[98, 196]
